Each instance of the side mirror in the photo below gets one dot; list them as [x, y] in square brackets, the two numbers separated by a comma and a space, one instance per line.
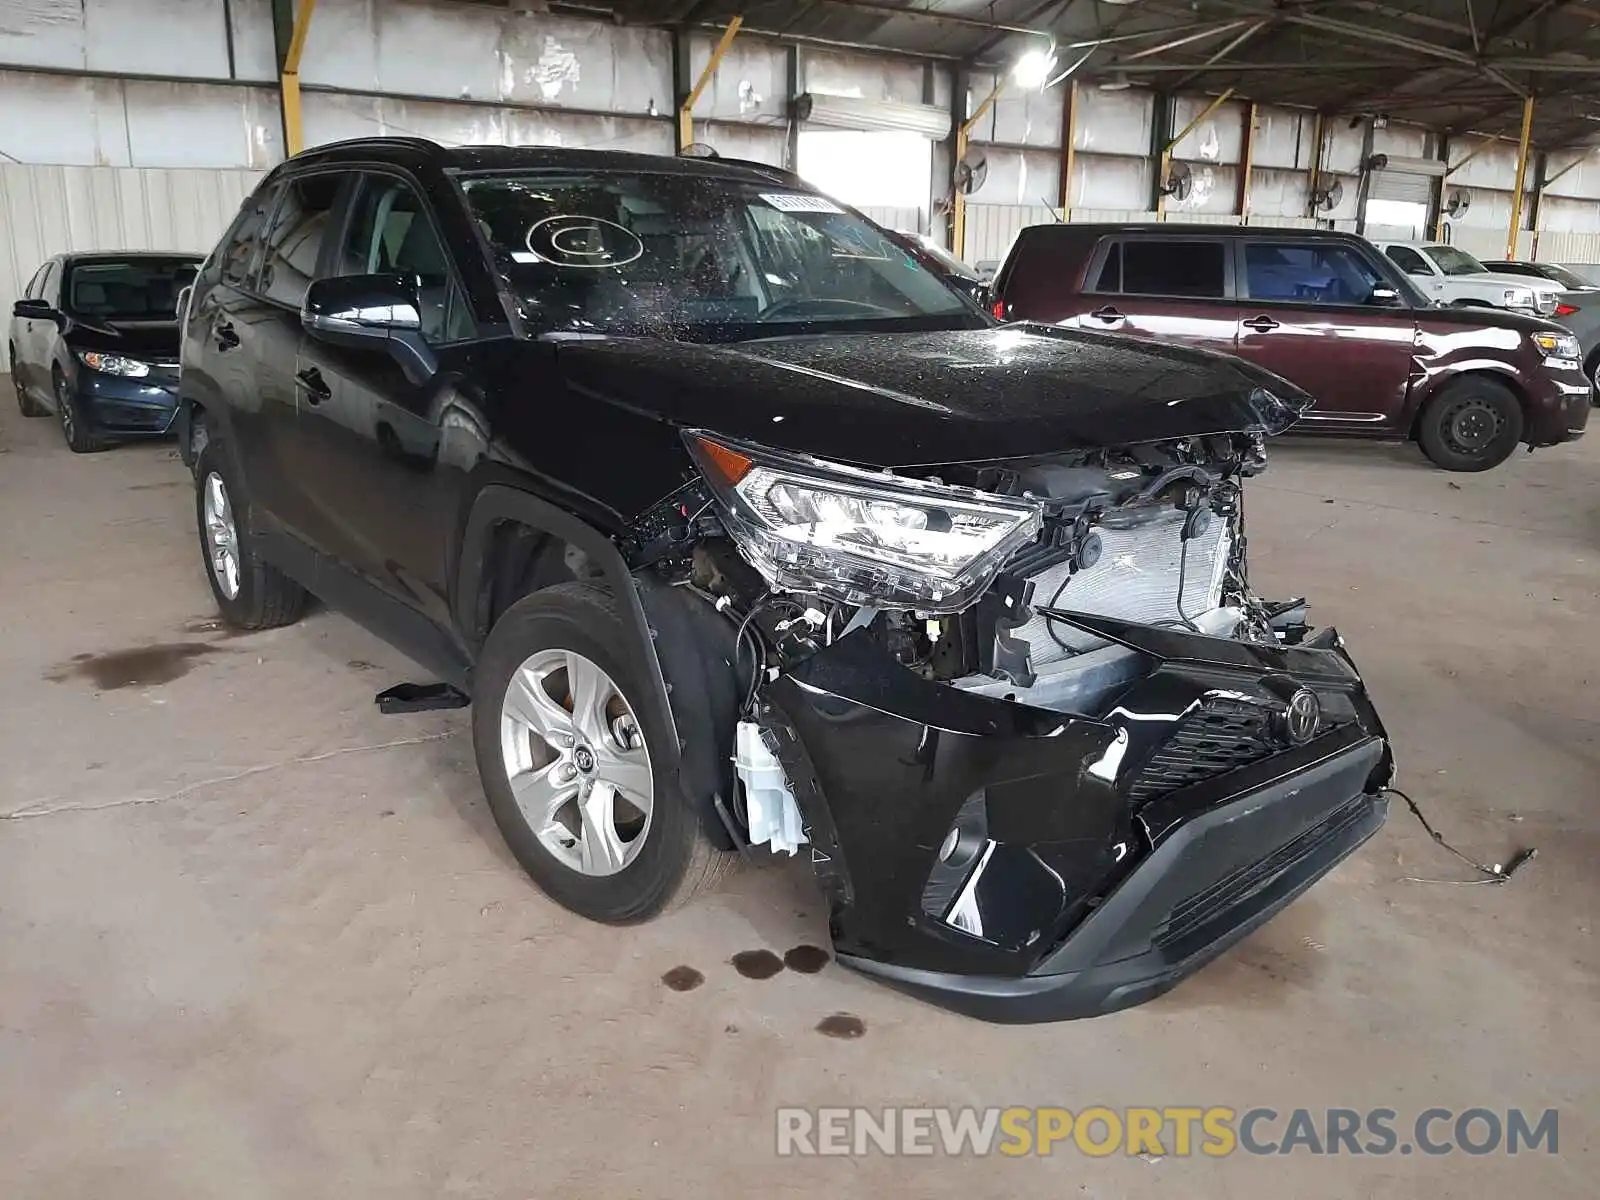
[1384, 297]
[377, 312]
[360, 310]
[33, 310]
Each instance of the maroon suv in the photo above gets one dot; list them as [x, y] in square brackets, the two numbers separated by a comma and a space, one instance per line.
[1326, 311]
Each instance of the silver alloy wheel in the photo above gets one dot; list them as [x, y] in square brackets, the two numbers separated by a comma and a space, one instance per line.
[576, 761]
[222, 536]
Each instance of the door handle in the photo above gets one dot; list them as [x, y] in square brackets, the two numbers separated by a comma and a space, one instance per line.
[227, 339]
[310, 382]
[1108, 314]
[1261, 324]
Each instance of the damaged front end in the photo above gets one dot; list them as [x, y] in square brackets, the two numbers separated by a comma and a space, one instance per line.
[1048, 751]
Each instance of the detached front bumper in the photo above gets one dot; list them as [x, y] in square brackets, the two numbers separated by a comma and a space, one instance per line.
[1090, 862]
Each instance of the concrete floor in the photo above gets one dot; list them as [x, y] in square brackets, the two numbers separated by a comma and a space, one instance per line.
[258, 941]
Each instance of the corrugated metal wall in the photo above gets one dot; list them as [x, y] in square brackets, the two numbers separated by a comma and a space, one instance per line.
[45, 210]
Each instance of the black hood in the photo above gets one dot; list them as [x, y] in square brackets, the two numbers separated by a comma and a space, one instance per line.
[156, 340]
[916, 399]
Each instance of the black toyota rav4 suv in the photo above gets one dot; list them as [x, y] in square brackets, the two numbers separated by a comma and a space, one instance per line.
[745, 533]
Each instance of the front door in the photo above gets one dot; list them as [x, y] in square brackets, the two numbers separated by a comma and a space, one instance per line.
[1319, 314]
[369, 444]
[1166, 289]
[1421, 270]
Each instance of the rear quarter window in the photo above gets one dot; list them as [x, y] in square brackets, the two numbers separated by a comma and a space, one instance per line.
[1044, 271]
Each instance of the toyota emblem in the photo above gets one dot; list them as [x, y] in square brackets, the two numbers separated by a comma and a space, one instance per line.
[1303, 716]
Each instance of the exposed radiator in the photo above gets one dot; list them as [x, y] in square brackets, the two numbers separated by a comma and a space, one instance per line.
[1136, 579]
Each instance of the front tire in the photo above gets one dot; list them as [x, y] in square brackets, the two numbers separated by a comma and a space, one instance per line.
[26, 404]
[574, 762]
[250, 593]
[1472, 425]
[75, 430]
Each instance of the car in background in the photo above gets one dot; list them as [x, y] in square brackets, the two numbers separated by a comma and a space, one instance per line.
[1451, 277]
[1578, 307]
[941, 262]
[1555, 272]
[94, 339]
[1324, 310]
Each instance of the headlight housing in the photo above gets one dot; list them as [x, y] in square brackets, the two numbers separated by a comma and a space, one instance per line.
[113, 364]
[1517, 298]
[861, 537]
[1558, 345]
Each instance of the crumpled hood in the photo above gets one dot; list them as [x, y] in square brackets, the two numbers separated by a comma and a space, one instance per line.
[916, 399]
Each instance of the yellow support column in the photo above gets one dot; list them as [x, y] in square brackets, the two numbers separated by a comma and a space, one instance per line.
[1522, 177]
[289, 81]
[686, 109]
[958, 203]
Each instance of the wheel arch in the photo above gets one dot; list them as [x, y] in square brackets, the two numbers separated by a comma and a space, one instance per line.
[1499, 373]
[510, 548]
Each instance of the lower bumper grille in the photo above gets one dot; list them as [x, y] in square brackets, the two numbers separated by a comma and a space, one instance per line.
[1191, 918]
[1220, 736]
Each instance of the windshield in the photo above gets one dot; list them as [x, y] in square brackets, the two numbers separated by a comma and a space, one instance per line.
[942, 256]
[135, 289]
[690, 257]
[1561, 275]
[1455, 262]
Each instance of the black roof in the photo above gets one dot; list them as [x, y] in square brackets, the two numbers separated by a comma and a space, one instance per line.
[419, 151]
[1194, 229]
[90, 256]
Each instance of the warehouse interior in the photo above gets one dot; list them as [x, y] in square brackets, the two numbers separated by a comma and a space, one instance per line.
[261, 940]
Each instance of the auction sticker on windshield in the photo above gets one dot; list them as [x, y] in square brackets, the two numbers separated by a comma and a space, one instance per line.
[799, 202]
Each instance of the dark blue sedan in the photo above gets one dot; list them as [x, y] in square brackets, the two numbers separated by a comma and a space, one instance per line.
[94, 339]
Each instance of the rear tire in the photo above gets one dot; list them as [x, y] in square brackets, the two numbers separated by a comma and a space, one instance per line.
[250, 593]
[75, 430]
[1472, 425]
[668, 858]
[26, 404]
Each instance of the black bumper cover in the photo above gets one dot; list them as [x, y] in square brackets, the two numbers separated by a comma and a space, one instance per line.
[1088, 901]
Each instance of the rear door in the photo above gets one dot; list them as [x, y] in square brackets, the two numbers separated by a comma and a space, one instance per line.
[291, 251]
[1310, 313]
[224, 364]
[1166, 288]
[24, 340]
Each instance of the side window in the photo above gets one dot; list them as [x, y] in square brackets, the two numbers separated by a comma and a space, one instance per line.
[1409, 261]
[50, 288]
[236, 262]
[1308, 273]
[389, 231]
[1173, 268]
[295, 240]
[1110, 278]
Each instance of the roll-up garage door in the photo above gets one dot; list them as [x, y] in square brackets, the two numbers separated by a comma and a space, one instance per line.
[852, 112]
[1408, 179]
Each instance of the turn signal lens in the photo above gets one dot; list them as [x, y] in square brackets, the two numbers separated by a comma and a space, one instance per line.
[728, 466]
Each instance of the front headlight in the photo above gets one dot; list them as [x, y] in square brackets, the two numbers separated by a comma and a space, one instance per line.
[1558, 345]
[113, 364]
[861, 537]
[1517, 298]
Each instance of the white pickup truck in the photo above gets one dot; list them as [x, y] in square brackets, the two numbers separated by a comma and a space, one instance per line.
[1450, 276]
